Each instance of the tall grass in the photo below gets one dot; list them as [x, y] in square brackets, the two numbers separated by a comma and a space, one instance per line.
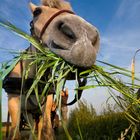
[102, 75]
[107, 126]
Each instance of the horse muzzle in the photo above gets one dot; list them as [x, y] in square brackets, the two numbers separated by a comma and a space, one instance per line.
[72, 38]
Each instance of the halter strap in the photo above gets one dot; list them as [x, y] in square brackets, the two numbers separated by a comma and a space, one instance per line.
[51, 19]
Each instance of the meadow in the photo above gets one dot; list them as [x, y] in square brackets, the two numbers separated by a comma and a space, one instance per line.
[85, 124]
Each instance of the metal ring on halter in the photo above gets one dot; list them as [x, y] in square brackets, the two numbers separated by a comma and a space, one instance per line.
[51, 19]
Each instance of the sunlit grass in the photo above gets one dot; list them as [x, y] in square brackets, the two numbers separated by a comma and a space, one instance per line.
[107, 126]
[102, 75]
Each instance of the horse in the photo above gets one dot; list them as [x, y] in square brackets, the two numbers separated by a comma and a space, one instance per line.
[65, 34]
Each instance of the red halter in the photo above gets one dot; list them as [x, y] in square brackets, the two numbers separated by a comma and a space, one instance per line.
[51, 19]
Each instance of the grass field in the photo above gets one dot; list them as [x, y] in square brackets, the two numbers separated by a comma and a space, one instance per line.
[85, 124]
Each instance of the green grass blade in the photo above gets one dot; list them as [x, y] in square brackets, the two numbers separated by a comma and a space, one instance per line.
[78, 125]
[8, 70]
[114, 66]
[24, 35]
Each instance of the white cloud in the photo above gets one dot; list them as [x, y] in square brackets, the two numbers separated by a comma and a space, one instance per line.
[97, 97]
[129, 7]
[122, 37]
[119, 43]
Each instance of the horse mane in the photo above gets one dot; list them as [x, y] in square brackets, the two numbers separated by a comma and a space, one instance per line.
[59, 4]
[52, 3]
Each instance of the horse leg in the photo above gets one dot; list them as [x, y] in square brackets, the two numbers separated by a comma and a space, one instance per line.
[64, 108]
[40, 127]
[14, 110]
[47, 130]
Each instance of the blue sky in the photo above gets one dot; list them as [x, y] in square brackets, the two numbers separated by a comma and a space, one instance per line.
[117, 20]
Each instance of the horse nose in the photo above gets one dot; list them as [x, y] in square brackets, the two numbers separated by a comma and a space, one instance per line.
[66, 31]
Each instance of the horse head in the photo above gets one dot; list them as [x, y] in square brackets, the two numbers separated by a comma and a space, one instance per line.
[64, 33]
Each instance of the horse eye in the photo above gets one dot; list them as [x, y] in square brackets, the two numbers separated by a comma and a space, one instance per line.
[37, 12]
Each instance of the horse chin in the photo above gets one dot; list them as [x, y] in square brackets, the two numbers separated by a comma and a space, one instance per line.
[80, 56]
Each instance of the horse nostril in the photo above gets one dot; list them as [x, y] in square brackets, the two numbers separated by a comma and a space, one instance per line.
[60, 25]
[66, 30]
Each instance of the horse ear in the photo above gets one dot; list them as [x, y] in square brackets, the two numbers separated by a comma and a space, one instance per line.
[32, 6]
